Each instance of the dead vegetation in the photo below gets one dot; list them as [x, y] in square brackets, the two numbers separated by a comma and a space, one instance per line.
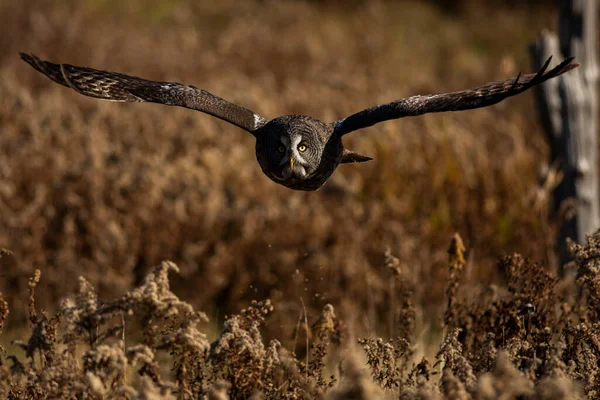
[536, 340]
[106, 190]
[94, 194]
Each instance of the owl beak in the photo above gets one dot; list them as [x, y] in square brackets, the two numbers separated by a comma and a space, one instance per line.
[291, 163]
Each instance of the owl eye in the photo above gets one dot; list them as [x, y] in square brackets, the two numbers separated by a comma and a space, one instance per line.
[302, 148]
[281, 149]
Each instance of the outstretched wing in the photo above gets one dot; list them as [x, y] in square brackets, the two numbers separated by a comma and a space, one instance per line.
[481, 96]
[120, 87]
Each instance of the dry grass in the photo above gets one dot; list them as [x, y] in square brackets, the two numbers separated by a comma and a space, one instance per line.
[538, 340]
[111, 189]
[106, 191]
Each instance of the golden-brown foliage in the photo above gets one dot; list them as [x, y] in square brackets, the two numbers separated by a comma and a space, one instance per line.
[104, 190]
[83, 350]
[93, 194]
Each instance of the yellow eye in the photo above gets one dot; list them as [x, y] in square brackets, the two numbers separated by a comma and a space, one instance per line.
[281, 149]
[302, 148]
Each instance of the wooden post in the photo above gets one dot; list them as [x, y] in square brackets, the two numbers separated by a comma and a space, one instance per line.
[569, 113]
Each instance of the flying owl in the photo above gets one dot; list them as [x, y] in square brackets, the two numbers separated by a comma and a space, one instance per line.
[297, 151]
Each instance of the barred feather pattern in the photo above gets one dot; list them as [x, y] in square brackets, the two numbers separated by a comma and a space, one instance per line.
[114, 86]
[477, 97]
[296, 151]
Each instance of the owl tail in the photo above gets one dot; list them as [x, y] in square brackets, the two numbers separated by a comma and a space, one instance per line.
[349, 157]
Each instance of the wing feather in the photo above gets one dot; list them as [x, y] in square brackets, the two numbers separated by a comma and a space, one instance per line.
[114, 86]
[480, 96]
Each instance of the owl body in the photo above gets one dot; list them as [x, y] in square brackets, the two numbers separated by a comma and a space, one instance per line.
[298, 151]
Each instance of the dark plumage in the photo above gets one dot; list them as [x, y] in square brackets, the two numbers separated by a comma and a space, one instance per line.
[296, 151]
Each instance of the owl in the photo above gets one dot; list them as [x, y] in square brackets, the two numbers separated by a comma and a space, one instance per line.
[296, 151]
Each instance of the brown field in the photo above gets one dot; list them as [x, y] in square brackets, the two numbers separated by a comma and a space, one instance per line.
[96, 195]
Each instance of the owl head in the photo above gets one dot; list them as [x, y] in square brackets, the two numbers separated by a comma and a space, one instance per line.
[290, 148]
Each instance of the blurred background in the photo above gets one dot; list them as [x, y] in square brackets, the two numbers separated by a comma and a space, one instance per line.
[108, 190]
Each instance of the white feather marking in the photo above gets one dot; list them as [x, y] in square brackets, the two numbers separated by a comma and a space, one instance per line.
[174, 86]
[257, 120]
[295, 142]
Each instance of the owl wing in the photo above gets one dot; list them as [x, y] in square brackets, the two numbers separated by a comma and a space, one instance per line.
[124, 88]
[480, 96]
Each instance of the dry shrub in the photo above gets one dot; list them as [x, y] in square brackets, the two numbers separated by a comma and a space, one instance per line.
[93, 194]
[532, 339]
[104, 190]
[512, 345]
[83, 351]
